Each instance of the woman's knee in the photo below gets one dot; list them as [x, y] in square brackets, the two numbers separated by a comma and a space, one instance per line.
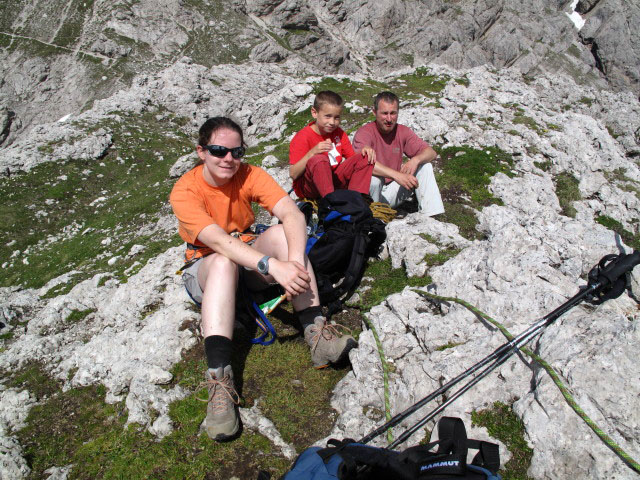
[273, 242]
[218, 267]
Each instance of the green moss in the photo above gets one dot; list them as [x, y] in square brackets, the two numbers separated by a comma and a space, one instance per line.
[567, 192]
[463, 175]
[504, 425]
[70, 31]
[544, 166]
[387, 281]
[463, 81]
[78, 315]
[631, 239]
[54, 202]
[584, 100]
[407, 59]
[33, 377]
[434, 259]
[528, 122]
[420, 83]
[574, 50]
[612, 132]
[81, 429]
[447, 346]
[532, 150]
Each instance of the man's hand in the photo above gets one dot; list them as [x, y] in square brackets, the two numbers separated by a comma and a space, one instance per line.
[322, 147]
[292, 276]
[370, 154]
[410, 167]
[406, 180]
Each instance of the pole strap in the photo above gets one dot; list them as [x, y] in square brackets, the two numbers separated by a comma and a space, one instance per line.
[608, 441]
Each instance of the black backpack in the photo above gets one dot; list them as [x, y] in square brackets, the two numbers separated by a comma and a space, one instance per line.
[345, 236]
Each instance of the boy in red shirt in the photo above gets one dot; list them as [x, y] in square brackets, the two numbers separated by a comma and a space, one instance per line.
[321, 158]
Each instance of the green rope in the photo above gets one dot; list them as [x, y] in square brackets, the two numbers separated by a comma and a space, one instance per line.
[385, 377]
[608, 441]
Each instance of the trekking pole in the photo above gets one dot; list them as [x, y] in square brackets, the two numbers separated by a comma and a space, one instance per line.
[606, 280]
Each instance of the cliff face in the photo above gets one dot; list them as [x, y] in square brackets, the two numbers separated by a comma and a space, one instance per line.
[58, 57]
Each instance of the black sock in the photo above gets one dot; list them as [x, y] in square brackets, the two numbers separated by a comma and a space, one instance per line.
[218, 351]
[308, 315]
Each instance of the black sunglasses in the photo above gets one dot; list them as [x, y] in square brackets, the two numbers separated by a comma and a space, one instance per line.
[220, 152]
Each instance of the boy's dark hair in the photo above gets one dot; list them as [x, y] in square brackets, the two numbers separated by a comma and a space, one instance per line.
[213, 125]
[327, 97]
[388, 97]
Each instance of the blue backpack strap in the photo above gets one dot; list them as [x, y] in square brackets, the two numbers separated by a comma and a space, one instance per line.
[487, 473]
[268, 331]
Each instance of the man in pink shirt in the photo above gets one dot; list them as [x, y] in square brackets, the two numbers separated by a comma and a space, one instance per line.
[393, 181]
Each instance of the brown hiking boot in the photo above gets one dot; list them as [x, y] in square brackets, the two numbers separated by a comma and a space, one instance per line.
[222, 418]
[327, 345]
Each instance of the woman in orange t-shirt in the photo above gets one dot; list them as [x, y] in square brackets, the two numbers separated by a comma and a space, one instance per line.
[213, 201]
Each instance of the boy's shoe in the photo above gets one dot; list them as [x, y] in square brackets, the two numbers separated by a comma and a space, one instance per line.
[222, 418]
[327, 345]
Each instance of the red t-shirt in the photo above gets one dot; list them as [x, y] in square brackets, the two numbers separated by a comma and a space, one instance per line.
[389, 148]
[306, 139]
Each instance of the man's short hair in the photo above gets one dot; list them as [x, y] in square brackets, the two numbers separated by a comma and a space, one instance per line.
[388, 97]
[327, 97]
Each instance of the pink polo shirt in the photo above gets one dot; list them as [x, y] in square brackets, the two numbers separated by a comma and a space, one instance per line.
[391, 147]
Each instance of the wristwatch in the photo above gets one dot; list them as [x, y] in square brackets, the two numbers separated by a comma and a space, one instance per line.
[263, 265]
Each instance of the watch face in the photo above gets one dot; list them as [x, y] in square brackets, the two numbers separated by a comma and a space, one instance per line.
[263, 265]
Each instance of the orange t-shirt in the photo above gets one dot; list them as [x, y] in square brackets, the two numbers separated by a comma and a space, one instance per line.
[197, 204]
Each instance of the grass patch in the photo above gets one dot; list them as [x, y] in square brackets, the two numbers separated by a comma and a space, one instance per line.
[388, 280]
[227, 24]
[544, 166]
[463, 81]
[585, 101]
[32, 377]
[612, 132]
[447, 346]
[503, 424]
[81, 429]
[78, 214]
[463, 176]
[78, 315]
[631, 239]
[434, 259]
[567, 192]
[521, 119]
[69, 33]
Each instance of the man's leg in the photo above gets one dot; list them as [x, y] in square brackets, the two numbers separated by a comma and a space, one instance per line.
[393, 194]
[218, 279]
[355, 173]
[375, 189]
[327, 346]
[428, 194]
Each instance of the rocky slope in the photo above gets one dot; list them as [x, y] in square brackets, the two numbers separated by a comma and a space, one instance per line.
[58, 57]
[134, 80]
[530, 258]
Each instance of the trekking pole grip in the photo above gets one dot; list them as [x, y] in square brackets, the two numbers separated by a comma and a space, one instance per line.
[619, 267]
